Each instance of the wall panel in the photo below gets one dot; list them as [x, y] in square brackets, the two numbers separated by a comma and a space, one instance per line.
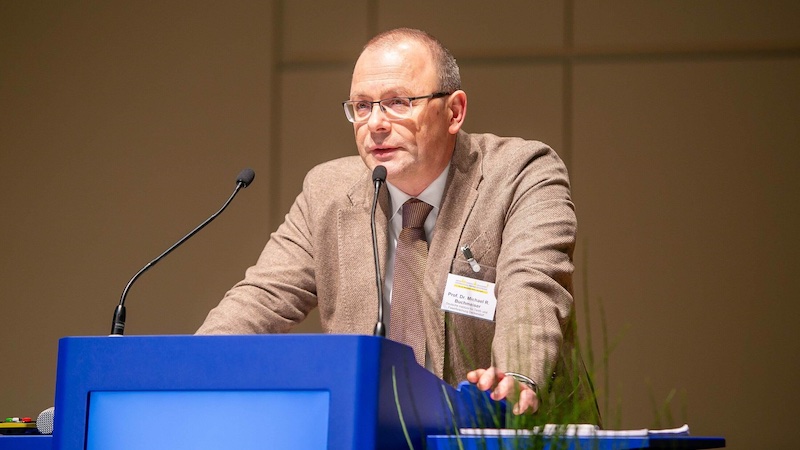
[687, 204]
[477, 28]
[629, 25]
[123, 126]
[314, 127]
[515, 100]
[324, 30]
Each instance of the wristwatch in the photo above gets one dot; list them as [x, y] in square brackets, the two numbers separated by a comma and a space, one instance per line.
[524, 380]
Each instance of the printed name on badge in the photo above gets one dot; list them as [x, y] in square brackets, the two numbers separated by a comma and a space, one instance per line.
[470, 297]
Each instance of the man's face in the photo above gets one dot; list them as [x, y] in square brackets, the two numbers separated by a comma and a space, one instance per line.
[414, 150]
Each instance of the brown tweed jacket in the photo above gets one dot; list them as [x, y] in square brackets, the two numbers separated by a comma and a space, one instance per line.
[507, 198]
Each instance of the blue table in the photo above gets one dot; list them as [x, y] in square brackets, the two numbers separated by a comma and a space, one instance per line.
[441, 442]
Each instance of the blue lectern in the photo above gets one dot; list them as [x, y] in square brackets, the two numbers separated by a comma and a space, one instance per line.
[248, 392]
[275, 392]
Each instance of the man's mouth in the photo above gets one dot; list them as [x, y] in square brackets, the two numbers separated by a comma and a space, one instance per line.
[382, 152]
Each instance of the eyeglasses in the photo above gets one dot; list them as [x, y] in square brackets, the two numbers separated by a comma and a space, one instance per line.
[395, 108]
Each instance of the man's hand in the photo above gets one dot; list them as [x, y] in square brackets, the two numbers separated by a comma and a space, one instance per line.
[502, 385]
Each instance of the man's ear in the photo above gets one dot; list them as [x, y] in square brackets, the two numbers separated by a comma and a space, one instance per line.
[457, 103]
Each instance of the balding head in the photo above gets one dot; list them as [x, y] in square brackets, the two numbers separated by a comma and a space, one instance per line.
[446, 67]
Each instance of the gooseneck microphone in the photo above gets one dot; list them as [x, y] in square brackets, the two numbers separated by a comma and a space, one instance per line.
[244, 179]
[378, 177]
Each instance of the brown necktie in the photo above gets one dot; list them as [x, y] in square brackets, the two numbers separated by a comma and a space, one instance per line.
[406, 323]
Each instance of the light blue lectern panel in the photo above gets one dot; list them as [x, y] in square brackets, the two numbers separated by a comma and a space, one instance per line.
[208, 420]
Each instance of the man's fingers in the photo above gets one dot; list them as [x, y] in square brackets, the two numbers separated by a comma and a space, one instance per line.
[503, 389]
[527, 402]
[487, 379]
[508, 388]
[474, 375]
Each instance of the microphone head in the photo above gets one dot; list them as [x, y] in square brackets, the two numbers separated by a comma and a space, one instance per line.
[246, 177]
[379, 174]
[44, 423]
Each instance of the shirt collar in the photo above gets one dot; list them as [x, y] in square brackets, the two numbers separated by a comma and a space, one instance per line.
[432, 194]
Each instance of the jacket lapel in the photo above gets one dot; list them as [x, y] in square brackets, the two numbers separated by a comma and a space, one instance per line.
[460, 195]
[356, 268]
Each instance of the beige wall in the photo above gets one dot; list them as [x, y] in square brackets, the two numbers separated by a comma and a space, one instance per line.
[123, 124]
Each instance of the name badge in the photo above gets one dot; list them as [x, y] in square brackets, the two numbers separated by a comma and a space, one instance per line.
[470, 297]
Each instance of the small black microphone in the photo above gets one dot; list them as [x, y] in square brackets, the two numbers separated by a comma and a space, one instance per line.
[246, 176]
[378, 177]
[244, 179]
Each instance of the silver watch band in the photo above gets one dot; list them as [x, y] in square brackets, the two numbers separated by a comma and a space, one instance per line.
[524, 380]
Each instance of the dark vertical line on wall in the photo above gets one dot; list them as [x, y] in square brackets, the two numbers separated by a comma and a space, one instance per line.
[566, 85]
[274, 150]
[372, 19]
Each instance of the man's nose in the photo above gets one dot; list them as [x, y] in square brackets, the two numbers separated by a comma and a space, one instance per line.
[377, 120]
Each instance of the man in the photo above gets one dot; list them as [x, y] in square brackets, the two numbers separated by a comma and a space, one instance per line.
[495, 210]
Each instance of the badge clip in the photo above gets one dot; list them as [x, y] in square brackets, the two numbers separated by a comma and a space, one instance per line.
[470, 259]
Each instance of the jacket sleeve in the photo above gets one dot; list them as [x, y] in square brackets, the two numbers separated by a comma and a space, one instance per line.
[280, 289]
[534, 270]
